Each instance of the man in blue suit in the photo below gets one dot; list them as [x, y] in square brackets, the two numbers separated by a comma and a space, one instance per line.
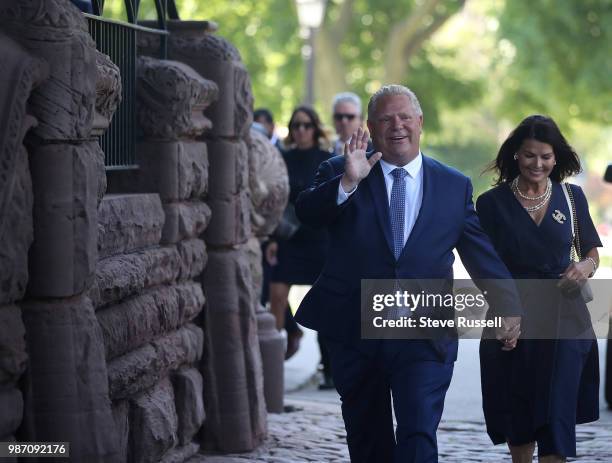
[392, 214]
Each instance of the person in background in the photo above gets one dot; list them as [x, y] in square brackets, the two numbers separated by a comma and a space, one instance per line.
[539, 391]
[299, 259]
[264, 117]
[346, 112]
[263, 122]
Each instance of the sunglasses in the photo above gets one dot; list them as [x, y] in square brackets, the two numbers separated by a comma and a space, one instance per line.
[304, 125]
[339, 116]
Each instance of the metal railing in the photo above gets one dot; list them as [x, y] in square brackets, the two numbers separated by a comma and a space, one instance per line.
[118, 40]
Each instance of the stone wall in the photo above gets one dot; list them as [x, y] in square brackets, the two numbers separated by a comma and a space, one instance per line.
[104, 342]
[147, 288]
[232, 364]
[22, 72]
[65, 386]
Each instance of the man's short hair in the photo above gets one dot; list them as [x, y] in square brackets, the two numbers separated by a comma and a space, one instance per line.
[393, 90]
[263, 113]
[347, 97]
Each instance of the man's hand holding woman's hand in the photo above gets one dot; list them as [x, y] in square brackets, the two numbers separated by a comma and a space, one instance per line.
[509, 332]
[356, 165]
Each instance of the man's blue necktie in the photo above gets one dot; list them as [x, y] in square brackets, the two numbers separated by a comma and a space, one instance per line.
[398, 210]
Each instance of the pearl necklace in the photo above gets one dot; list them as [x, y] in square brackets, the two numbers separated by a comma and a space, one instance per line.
[531, 198]
[545, 197]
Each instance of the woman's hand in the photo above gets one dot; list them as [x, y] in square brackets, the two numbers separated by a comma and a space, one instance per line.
[575, 275]
[356, 165]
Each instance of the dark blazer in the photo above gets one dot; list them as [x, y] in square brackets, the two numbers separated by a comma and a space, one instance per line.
[362, 244]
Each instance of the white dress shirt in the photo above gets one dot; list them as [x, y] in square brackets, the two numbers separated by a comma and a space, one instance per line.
[414, 190]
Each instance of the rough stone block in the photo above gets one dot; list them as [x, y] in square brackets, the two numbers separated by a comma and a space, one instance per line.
[11, 404]
[253, 248]
[177, 170]
[171, 98]
[230, 224]
[65, 181]
[268, 184]
[13, 357]
[190, 299]
[185, 220]
[232, 368]
[129, 222]
[121, 417]
[188, 402]
[182, 454]
[226, 281]
[108, 93]
[214, 58]
[193, 258]
[67, 396]
[121, 276]
[229, 168]
[57, 31]
[153, 424]
[142, 368]
[20, 73]
[139, 320]
[16, 229]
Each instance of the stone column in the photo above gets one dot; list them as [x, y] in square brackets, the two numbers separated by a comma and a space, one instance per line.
[232, 367]
[146, 295]
[269, 188]
[66, 387]
[22, 72]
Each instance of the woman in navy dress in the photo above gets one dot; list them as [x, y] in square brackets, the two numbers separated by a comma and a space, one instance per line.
[539, 391]
[300, 258]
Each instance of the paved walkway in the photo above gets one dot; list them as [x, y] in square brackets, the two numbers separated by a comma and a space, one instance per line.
[314, 432]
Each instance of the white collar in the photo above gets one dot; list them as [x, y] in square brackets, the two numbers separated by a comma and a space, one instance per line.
[413, 167]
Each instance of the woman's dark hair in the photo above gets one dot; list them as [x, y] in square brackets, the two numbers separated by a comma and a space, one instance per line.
[319, 134]
[542, 129]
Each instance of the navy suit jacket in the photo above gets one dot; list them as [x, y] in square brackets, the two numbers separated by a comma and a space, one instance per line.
[362, 243]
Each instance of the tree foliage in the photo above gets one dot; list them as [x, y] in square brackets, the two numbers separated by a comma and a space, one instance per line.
[366, 43]
[361, 45]
[559, 59]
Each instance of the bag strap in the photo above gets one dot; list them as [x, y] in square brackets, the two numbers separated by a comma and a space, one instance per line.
[569, 197]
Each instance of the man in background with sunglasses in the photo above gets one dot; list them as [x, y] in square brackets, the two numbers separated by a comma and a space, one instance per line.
[346, 109]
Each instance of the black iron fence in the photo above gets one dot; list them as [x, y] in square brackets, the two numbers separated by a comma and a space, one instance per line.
[118, 40]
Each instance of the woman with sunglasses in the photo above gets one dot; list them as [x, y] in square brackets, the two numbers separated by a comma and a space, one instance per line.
[299, 259]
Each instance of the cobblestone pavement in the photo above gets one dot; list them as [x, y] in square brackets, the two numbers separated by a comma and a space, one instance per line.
[315, 433]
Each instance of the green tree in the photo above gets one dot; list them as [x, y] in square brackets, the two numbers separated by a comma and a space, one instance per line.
[366, 43]
[558, 59]
[361, 45]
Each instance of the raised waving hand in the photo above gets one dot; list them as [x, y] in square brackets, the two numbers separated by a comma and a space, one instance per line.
[356, 165]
